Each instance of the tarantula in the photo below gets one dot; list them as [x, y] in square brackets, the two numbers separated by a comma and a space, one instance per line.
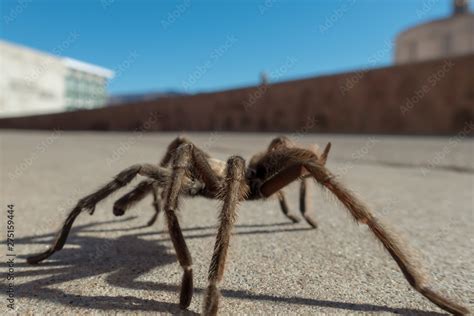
[195, 173]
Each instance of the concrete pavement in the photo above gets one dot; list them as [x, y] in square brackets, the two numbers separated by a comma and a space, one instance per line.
[422, 186]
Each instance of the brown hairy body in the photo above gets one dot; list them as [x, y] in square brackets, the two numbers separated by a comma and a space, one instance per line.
[185, 170]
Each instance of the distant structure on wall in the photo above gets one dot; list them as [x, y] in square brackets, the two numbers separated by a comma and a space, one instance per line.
[121, 99]
[448, 37]
[34, 82]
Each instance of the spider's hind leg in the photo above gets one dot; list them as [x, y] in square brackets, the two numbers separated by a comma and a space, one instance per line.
[275, 144]
[307, 161]
[284, 207]
[304, 202]
[305, 195]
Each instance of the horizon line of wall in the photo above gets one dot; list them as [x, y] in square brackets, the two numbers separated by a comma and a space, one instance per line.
[432, 97]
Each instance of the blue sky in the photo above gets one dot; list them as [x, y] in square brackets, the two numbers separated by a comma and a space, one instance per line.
[197, 46]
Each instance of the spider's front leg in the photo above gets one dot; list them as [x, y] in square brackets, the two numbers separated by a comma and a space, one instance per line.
[89, 202]
[181, 162]
[136, 195]
[148, 186]
[235, 190]
[186, 158]
[156, 204]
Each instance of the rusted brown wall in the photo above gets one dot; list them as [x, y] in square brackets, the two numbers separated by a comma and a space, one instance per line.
[378, 102]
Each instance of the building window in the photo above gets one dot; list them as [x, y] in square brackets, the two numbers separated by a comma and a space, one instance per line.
[84, 90]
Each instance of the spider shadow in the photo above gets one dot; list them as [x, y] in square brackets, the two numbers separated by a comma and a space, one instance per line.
[200, 228]
[121, 261]
[118, 259]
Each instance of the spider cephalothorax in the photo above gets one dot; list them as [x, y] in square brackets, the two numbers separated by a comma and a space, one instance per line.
[194, 173]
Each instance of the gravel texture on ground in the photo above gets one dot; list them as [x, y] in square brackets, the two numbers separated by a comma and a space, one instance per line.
[422, 186]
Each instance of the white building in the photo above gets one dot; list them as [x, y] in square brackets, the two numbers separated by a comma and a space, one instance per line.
[33, 82]
[448, 37]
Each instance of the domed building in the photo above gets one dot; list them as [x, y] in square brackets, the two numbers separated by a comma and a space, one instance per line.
[448, 37]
